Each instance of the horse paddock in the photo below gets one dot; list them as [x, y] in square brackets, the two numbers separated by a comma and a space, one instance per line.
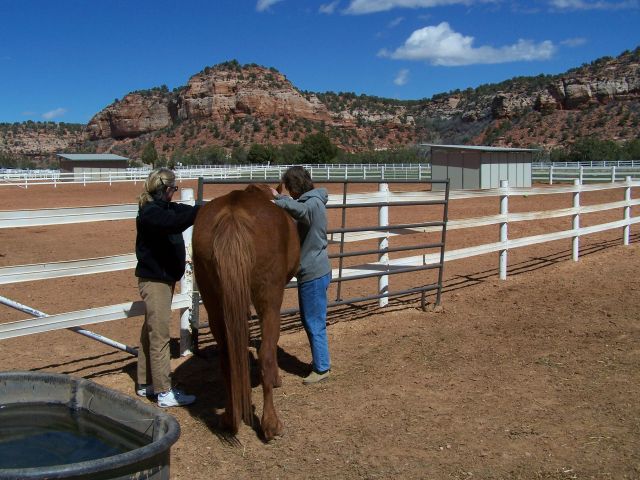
[535, 377]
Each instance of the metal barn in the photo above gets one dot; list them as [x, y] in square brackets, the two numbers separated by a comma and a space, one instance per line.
[479, 167]
[98, 165]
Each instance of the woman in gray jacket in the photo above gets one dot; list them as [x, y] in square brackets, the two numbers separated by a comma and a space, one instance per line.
[307, 205]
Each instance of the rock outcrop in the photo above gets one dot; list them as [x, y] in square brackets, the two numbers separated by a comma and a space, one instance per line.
[214, 94]
[135, 114]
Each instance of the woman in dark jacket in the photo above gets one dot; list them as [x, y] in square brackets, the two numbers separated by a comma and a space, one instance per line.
[160, 251]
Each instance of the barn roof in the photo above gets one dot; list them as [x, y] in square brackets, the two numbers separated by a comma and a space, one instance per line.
[91, 157]
[481, 148]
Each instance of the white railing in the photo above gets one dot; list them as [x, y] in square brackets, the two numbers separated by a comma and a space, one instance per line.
[591, 163]
[563, 173]
[273, 173]
[25, 273]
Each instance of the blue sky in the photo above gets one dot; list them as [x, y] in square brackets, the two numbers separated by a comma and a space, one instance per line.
[65, 60]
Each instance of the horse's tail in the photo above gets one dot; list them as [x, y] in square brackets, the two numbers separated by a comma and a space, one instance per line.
[234, 255]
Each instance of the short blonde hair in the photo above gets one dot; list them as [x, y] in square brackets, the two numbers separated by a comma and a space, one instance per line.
[156, 184]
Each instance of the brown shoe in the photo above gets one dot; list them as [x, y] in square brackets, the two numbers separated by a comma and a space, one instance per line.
[315, 377]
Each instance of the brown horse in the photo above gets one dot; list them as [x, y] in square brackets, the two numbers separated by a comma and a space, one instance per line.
[245, 250]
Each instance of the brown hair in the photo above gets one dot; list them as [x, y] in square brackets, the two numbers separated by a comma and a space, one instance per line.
[156, 184]
[297, 180]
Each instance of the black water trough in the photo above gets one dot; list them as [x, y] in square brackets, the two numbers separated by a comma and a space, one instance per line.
[55, 426]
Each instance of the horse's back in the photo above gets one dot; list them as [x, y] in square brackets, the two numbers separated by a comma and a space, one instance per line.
[274, 234]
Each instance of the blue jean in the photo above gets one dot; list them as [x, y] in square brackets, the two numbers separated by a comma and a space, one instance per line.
[312, 298]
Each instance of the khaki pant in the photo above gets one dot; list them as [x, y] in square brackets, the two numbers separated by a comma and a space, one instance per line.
[154, 366]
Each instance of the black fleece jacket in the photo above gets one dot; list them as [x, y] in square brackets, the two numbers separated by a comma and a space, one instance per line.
[160, 247]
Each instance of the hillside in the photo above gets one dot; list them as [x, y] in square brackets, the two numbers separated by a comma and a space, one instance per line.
[233, 106]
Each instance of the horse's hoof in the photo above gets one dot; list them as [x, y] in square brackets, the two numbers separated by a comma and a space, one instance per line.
[278, 382]
[271, 433]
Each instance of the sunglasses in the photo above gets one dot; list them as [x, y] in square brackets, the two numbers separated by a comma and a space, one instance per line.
[170, 188]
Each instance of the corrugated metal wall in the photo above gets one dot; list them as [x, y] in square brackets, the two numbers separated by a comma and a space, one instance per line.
[476, 169]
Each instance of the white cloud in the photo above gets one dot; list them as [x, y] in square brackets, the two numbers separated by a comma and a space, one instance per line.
[328, 8]
[574, 42]
[360, 7]
[440, 45]
[395, 22]
[402, 77]
[590, 5]
[50, 115]
[263, 5]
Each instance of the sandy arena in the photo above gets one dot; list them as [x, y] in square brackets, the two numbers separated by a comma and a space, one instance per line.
[535, 377]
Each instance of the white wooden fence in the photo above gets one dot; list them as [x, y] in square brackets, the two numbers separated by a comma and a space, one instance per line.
[414, 171]
[567, 173]
[183, 301]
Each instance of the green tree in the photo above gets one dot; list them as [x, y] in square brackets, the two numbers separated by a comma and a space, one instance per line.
[238, 155]
[164, 162]
[632, 150]
[261, 153]
[316, 148]
[588, 149]
[288, 154]
[149, 154]
[212, 155]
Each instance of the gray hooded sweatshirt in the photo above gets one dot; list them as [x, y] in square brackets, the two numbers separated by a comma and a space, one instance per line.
[311, 214]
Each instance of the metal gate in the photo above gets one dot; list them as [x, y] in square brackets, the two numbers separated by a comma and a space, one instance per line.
[439, 199]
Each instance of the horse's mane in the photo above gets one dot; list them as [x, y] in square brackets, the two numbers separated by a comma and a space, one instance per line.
[233, 255]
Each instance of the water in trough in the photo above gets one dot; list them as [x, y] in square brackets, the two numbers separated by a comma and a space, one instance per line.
[41, 435]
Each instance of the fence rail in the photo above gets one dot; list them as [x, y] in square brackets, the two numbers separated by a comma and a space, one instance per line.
[557, 172]
[25, 218]
[24, 178]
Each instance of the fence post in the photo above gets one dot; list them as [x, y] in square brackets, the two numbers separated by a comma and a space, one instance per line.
[383, 221]
[575, 241]
[504, 210]
[627, 211]
[186, 286]
[84, 179]
[551, 174]
[343, 226]
[613, 174]
[581, 175]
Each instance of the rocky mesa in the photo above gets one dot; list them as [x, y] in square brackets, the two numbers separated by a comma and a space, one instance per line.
[234, 106]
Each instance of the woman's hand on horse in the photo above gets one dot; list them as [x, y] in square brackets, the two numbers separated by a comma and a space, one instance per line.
[274, 192]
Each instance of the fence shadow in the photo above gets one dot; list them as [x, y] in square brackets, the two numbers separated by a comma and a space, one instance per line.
[532, 264]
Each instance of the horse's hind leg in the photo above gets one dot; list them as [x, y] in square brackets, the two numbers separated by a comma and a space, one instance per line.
[267, 356]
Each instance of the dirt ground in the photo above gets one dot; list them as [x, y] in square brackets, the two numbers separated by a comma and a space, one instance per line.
[535, 377]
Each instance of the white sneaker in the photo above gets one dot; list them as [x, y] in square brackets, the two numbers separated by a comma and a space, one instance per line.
[145, 390]
[175, 398]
